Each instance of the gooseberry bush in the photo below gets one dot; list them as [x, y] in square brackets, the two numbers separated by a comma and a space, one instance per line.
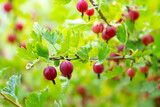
[73, 53]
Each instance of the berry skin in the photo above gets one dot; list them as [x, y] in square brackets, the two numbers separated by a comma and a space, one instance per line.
[108, 33]
[50, 73]
[144, 69]
[131, 73]
[12, 38]
[148, 39]
[7, 7]
[98, 28]
[98, 69]
[133, 15]
[90, 13]
[19, 27]
[81, 90]
[114, 55]
[23, 45]
[66, 68]
[82, 6]
[120, 48]
[158, 86]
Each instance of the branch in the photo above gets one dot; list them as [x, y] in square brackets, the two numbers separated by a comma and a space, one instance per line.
[10, 100]
[99, 12]
[109, 58]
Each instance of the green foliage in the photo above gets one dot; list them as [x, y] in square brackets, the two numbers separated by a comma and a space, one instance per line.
[117, 70]
[130, 25]
[61, 2]
[102, 53]
[122, 33]
[2, 72]
[83, 53]
[36, 99]
[13, 84]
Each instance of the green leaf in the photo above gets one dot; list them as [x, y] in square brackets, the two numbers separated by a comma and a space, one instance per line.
[51, 38]
[122, 33]
[154, 63]
[117, 70]
[65, 45]
[61, 2]
[13, 83]
[28, 55]
[135, 45]
[36, 99]
[103, 51]
[64, 83]
[2, 72]
[56, 62]
[130, 25]
[42, 50]
[75, 39]
[57, 104]
[83, 53]
[148, 86]
[30, 65]
[37, 32]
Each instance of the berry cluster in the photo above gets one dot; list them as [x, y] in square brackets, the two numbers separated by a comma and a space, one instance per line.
[82, 6]
[66, 69]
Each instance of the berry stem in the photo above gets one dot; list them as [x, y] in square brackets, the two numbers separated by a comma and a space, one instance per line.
[8, 99]
[145, 75]
[98, 76]
[68, 77]
[99, 12]
[82, 15]
[89, 18]
[131, 79]
[54, 82]
[97, 35]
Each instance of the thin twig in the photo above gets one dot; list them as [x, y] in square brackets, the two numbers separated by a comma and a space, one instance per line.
[109, 58]
[99, 12]
[8, 99]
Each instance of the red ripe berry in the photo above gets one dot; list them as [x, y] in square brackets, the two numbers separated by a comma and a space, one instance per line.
[66, 68]
[131, 73]
[50, 73]
[23, 45]
[98, 28]
[90, 13]
[158, 86]
[144, 69]
[114, 55]
[19, 27]
[82, 6]
[133, 15]
[148, 39]
[7, 7]
[98, 69]
[108, 33]
[81, 90]
[120, 48]
[12, 38]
